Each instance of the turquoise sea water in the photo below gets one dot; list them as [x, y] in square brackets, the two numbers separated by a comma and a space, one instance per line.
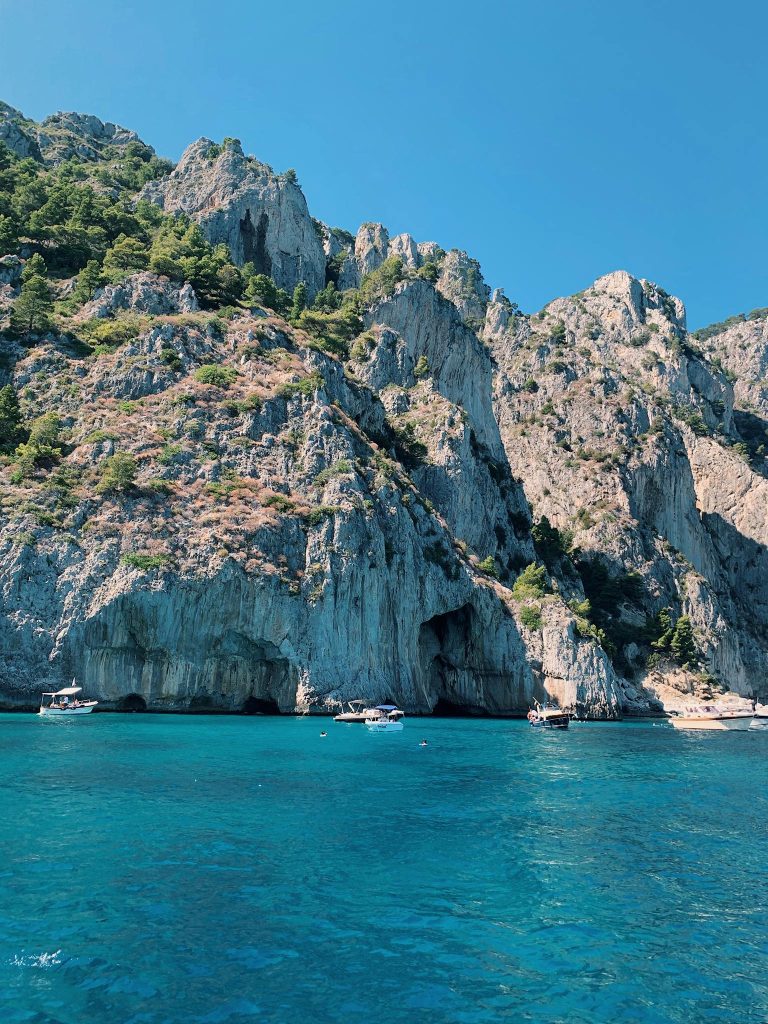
[205, 870]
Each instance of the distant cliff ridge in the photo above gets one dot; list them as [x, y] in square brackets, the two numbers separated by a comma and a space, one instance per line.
[249, 461]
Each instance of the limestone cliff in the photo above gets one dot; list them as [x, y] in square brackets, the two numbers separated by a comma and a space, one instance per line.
[409, 491]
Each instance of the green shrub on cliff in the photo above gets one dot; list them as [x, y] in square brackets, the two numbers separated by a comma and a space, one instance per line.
[530, 616]
[218, 376]
[261, 290]
[381, 282]
[676, 640]
[531, 583]
[126, 254]
[489, 567]
[306, 386]
[299, 301]
[43, 446]
[180, 251]
[421, 369]
[551, 544]
[118, 473]
[145, 562]
[332, 332]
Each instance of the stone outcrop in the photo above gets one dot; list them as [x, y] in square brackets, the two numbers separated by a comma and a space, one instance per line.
[461, 282]
[69, 136]
[18, 133]
[742, 350]
[261, 216]
[141, 293]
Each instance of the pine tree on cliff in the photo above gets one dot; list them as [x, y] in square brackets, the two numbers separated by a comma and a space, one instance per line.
[299, 301]
[31, 311]
[683, 643]
[11, 433]
[88, 280]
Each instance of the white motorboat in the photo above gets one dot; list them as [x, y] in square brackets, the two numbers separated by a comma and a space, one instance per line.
[713, 716]
[548, 716]
[65, 702]
[357, 712]
[385, 718]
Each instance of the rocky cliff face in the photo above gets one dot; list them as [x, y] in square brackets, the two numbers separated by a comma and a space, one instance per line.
[624, 434]
[311, 520]
[271, 553]
[64, 136]
[261, 216]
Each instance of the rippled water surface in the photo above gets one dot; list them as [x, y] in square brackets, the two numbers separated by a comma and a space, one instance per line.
[204, 870]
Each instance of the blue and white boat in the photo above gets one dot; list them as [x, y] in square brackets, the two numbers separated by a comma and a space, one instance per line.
[59, 703]
[385, 718]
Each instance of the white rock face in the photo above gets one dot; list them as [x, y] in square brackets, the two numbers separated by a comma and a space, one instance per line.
[10, 270]
[595, 399]
[66, 136]
[261, 216]
[743, 350]
[17, 133]
[371, 247]
[406, 249]
[142, 293]
[431, 327]
[461, 282]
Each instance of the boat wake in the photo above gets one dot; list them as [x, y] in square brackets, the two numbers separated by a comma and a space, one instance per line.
[43, 960]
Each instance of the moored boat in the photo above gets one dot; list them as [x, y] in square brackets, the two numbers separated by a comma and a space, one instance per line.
[713, 717]
[384, 718]
[548, 716]
[65, 702]
[357, 712]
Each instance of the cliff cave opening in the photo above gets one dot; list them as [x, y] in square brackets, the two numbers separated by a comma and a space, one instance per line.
[254, 238]
[132, 702]
[447, 659]
[448, 709]
[258, 706]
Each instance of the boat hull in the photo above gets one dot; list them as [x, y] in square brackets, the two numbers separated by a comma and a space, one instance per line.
[733, 724]
[84, 709]
[350, 716]
[384, 726]
[561, 722]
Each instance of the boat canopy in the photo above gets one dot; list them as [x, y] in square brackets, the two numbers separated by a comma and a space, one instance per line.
[386, 707]
[68, 691]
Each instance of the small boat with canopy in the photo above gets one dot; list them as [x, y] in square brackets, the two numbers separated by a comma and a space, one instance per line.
[65, 702]
[357, 712]
[548, 716]
[384, 718]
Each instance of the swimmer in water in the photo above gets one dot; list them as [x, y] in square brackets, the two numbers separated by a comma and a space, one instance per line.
[323, 733]
[423, 743]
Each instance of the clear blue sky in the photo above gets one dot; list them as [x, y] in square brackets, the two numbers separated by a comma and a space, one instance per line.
[553, 140]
